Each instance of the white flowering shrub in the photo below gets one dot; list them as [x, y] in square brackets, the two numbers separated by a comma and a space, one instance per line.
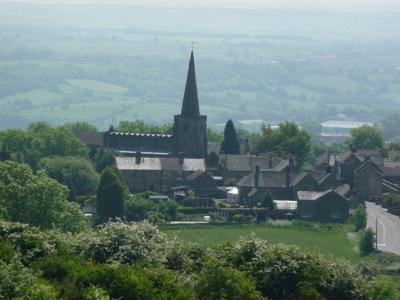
[125, 243]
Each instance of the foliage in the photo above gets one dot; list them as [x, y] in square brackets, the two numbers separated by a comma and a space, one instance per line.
[214, 135]
[76, 127]
[138, 208]
[367, 137]
[76, 173]
[40, 140]
[287, 139]
[37, 199]
[213, 159]
[281, 271]
[217, 281]
[140, 126]
[111, 195]
[359, 218]
[383, 290]
[126, 243]
[104, 157]
[230, 182]
[230, 144]
[367, 241]
[267, 200]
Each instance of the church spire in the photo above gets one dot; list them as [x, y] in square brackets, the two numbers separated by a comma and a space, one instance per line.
[190, 105]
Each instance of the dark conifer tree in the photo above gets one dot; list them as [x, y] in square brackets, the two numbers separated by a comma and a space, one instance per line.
[111, 195]
[230, 144]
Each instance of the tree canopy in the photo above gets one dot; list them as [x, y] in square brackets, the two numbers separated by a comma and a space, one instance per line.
[287, 139]
[367, 137]
[37, 199]
[78, 174]
[40, 140]
[111, 195]
[230, 144]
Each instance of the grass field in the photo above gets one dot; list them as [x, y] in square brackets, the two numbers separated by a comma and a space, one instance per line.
[329, 240]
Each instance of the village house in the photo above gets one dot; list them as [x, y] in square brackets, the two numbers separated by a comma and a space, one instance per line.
[238, 166]
[282, 185]
[327, 206]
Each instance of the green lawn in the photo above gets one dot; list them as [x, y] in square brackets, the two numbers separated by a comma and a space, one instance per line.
[333, 240]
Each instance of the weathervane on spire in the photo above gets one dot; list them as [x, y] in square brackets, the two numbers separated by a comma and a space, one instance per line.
[192, 46]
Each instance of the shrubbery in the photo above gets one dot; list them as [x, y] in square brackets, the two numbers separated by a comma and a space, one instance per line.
[137, 261]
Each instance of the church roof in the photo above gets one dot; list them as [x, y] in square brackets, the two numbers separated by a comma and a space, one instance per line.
[190, 105]
[160, 164]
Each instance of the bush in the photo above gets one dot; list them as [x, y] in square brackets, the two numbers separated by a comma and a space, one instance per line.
[217, 281]
[367, 240]
[282, 271]
[383, 290]
[125, 243]
[359, 218]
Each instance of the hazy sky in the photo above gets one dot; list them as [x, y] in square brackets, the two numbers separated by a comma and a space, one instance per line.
[317, 4]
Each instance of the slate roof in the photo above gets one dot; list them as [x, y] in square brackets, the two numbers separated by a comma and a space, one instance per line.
[270, 179]
[374, 155]
[343, 189]
[198, 174]
[160, 163]
[391, 168]
[366, 164]
[311, 195]
[248, 163]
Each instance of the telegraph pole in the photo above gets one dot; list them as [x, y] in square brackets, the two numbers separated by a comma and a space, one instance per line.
[376, 233]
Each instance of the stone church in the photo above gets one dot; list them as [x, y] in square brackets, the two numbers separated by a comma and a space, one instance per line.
[189, 136]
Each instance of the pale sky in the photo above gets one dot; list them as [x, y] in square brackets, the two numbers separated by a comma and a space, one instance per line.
[250, 4]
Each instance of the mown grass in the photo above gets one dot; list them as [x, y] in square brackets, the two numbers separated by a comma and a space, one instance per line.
[330, 240]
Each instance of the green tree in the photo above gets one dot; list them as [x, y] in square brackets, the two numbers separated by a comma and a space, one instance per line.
[367, 241]
[104, 157]
[111, 195]
[213, 159]
[267, 200]
[37, 199]
[287, 139]
[219, 282]
[40, 140]
[214, 135]
[143, 127]
[359, 218]
[80, 127]
[76, 173]
[367, 137]
[230, 144]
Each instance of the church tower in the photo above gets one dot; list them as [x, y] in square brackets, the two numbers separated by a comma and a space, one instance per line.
[190, 128]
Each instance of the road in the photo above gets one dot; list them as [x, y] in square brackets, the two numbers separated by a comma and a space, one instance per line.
[388, 228]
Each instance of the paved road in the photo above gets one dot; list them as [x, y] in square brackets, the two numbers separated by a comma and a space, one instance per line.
[388, 228]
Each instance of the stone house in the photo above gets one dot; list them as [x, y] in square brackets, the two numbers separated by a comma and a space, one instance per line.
[238, 166]
[368, 181]
[157, 174]
[282, 185]
[202, 183]
[327, 206]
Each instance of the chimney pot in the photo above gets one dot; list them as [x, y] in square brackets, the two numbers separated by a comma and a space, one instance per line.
[138, 157]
